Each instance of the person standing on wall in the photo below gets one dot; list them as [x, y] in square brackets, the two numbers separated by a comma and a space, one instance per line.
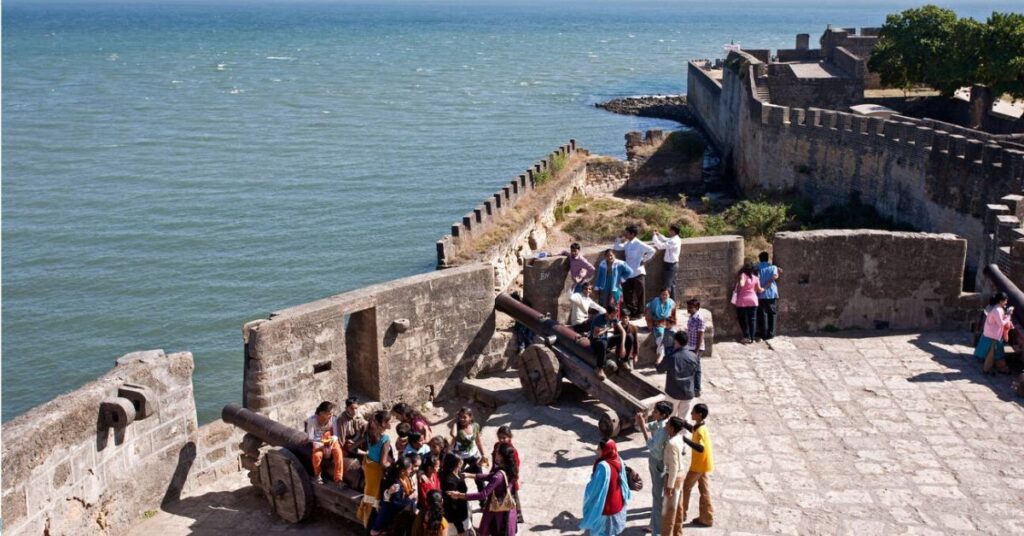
[580, 269]
[671, 244]
[766, 300]
[637, 253]
[611, 272]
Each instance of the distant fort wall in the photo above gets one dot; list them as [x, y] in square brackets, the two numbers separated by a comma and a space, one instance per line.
[94, 460]
[929, 177]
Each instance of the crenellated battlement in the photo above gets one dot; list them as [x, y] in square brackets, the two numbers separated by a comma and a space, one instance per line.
[923, 137]
[486, 215]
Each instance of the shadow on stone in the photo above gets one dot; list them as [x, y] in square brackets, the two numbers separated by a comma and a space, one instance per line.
[186, 457]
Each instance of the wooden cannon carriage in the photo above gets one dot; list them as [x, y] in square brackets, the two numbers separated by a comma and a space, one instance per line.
[565, 353]
[285, 473]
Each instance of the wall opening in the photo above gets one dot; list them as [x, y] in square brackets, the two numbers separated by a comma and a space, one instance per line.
[362, 353]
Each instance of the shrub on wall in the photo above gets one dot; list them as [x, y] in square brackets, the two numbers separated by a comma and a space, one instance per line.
[758, 218]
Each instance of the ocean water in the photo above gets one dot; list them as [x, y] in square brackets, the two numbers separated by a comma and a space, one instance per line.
[173, 171]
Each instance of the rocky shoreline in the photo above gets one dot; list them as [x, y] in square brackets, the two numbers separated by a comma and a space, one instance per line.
[671, 107]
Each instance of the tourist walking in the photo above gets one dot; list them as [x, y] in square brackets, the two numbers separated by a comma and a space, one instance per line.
[466, 441]
[580, 269]
[661, 316]
[581, 303]
[322, 431]
[744, 297]
[682, 374]
[767, 309]
[998, 323]
[607, 494]
[636, 253]
[655, 436]
[702, 462]
[456, 511]
[611, 273]
[499, 506]
[505, 438]
[670, 264]
[673, 513]
[375, 459]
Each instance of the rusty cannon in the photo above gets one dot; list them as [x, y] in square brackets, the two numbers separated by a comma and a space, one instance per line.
[285, 473]
[1003, 283]
[564, 353]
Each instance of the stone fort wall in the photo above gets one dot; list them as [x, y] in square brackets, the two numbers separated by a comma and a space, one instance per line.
[934, 179]
[710, 264]
[843, 279]
[92, 461]
[406, 340]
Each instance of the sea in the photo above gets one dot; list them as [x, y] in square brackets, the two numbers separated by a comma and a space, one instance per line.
[171, 171]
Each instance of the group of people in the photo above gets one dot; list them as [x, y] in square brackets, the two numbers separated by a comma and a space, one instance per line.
[416, 484]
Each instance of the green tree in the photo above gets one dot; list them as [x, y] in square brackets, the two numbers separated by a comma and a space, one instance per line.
[1002, 52]
[926, 45]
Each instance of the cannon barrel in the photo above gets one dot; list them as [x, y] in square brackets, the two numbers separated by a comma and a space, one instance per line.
[267, 429]
[538, 323]
[1003, 283]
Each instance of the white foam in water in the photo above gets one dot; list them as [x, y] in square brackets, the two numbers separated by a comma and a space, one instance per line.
[281, 58]
[222, 66]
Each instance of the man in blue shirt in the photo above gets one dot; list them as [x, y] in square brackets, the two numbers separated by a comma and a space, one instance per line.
[766, 306]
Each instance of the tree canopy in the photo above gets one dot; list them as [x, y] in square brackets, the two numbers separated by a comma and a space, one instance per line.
[932, 46]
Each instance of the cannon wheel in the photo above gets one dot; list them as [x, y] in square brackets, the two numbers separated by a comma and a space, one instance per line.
[608, 424]
[286, 484]
[540, 374]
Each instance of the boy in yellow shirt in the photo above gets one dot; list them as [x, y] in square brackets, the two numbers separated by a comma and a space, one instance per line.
[702, 462]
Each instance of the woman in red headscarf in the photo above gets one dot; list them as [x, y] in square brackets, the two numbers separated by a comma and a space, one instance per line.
[607, 493]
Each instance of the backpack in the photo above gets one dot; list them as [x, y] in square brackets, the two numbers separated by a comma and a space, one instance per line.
[633, 479]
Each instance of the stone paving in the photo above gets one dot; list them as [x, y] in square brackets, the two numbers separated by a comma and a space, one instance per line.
[852, 434]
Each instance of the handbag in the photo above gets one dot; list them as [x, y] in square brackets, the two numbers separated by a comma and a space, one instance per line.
[505, 503]
[633, 479]
[735, 297]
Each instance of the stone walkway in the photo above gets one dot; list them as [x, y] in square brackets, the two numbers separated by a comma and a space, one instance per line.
[899, 434]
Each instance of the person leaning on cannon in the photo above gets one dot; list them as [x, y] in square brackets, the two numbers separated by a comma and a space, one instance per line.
[322, 429]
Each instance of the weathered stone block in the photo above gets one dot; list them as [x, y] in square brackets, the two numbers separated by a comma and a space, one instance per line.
[116, 412]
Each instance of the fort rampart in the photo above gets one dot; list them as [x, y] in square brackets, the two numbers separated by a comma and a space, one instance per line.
[931, 178]
[92, 461]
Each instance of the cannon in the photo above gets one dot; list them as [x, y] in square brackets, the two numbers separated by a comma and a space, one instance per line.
[565, 353]
[285, 473]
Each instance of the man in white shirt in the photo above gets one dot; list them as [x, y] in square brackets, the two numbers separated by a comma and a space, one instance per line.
[637, 253]
[671, 244]
[580, 306]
